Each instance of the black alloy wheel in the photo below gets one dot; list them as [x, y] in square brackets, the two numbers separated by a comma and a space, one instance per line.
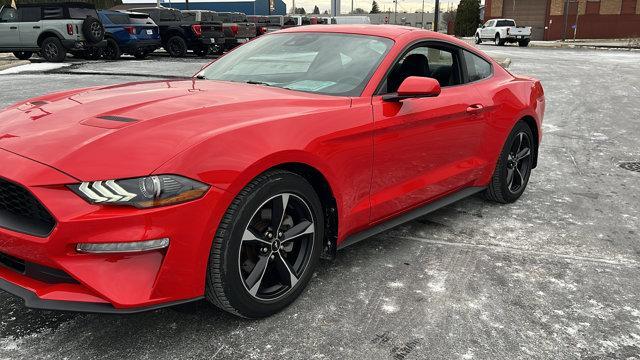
[112, 50]
[52, 50]
[276, 246]
[266, 246]
[176, 46]
[514, 166]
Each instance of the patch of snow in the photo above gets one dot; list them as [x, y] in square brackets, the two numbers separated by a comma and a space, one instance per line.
[33, 67]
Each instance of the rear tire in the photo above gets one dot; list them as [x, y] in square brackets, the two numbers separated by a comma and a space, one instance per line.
[52, 50]
[23, 55]
[511, 176]
[256, 270]
[112, 50]
[498, 41]
[176, 46]
[523, 43]
[478, 40]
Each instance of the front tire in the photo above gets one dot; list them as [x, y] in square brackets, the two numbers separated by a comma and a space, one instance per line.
[523, 43]
[478, 40]
[23, 55]
[513, 169]
[267, 246]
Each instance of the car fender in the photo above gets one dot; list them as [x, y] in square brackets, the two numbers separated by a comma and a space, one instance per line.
[48, 33]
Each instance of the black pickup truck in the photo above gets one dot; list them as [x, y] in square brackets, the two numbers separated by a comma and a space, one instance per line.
[239, 27]
[179, 34]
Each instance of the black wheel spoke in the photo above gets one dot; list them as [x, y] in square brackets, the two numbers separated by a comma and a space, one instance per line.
[303, 228]
[257, 274]
[523, 154]
[278, 211]
[285, 271]
[510, 173]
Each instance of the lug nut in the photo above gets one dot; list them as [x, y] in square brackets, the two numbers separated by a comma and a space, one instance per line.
[270, 235]
[280, 234]
[264, 250]
[273, 257]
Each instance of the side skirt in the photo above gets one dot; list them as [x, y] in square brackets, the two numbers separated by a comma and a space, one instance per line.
[413, 214]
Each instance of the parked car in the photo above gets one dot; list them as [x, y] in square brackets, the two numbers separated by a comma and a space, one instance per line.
[50, 29]
[129, 33]
[261, 22]
[503, 31]
[240, 27]
[211, 16]
[178, 34]
[230, 185]
[351, 20]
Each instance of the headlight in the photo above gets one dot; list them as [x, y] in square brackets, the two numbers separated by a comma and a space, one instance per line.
[145, 192]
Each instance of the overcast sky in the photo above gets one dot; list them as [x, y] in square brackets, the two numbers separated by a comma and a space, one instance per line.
[403, 5]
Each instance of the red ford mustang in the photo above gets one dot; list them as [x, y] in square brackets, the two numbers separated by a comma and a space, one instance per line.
[231, 185]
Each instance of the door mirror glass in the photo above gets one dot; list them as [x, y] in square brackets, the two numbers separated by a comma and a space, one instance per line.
[415, 87]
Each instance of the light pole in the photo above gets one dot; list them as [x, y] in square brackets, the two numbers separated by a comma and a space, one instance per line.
[422, 21]
[436, 16]
[395, 13]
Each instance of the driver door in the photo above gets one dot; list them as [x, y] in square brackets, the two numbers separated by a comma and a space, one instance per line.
[9, 35]
[425, 147]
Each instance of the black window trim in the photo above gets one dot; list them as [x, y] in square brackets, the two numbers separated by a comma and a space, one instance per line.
[458, 48]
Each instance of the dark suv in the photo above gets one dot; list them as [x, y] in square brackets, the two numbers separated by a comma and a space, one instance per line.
[179, 34]
[51, 29]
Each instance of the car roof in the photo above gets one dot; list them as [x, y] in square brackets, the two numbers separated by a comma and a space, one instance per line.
[388, 31]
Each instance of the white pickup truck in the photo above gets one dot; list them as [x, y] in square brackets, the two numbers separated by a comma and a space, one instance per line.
[503, 31]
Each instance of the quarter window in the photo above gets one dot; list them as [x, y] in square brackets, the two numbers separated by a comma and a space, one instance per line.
[8, 15]
[477, 67]
[29, 14]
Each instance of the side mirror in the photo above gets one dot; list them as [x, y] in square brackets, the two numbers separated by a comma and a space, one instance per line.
[414, 87]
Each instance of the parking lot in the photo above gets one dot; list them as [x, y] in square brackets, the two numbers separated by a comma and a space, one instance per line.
[555, 275]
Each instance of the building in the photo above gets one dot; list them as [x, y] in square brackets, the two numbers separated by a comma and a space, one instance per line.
[582, 19]
[249, 7]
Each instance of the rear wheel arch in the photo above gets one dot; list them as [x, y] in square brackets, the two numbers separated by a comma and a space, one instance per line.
[47, 34]
[533, 125]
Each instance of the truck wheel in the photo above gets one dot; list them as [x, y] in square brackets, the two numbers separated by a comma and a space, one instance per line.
[176, 46]
[112, 50]
[523, 43]
[498, 40]
[478, 40]
[92, 30]
[23, 55]
[52, 50]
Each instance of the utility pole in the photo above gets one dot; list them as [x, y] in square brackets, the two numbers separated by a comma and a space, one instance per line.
[293, 5]
[422, 21]
[566, 20]
[436, 16]
[352, 6]
[395, 13]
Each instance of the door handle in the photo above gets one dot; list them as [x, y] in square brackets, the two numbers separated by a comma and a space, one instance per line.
[36, 27]
[13, 28]
[475, 109]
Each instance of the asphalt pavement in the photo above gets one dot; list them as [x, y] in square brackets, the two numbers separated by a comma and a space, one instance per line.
[555, 275]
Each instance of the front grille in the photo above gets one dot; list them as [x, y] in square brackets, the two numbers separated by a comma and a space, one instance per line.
[20, 211]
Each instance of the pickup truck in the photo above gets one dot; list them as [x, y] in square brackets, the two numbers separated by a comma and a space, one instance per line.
[502, 31]
[53, 30]
[240, 27]
[179, 34]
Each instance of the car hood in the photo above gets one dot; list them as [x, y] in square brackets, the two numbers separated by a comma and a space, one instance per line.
[130, 130]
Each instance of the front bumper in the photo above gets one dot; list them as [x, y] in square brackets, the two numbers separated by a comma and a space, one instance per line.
[106, 283]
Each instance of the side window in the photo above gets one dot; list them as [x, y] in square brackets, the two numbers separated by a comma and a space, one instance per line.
[477, 67]
[29, 14]
[439, 62]
[487, 24]
[8, 15]
[52, 13]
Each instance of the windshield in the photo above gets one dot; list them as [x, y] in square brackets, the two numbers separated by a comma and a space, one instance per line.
[505, 23]
[333, 64]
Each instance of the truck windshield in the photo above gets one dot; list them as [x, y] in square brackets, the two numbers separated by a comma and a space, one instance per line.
[324, 63]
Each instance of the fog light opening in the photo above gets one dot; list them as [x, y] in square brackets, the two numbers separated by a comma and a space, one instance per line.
[122, 247]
